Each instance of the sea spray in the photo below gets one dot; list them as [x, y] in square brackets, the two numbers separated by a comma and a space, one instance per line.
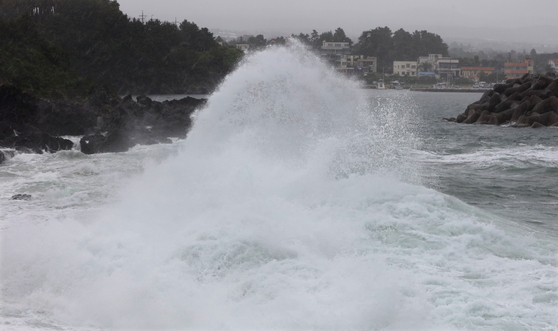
[287, 207]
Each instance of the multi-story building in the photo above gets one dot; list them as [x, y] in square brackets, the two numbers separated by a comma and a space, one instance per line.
[336, 53]
[513, 70]
[405, 68]
[362, 63]
[446, 67]
[473, 73]
[335, 47]
[430, 59]
[553, 64]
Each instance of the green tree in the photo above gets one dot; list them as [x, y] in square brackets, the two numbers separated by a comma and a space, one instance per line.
[325, 36]
[403, 48]
[378, 43]
[199, 39]
[426, 43]
[303, 38]
[257, 42]
[94, 40]
[339, 35]
[35, 65]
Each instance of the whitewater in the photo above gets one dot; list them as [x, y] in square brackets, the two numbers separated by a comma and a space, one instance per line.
[298, 201]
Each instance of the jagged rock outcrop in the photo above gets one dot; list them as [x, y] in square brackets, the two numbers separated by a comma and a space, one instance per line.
[107, 122]
[19, 125]
[22, 197]
[530, 101]
[141, 122]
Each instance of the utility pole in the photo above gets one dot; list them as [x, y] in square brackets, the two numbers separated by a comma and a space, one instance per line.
[142, 16]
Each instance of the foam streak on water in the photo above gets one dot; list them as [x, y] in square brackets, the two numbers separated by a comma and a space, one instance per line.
[292, 204]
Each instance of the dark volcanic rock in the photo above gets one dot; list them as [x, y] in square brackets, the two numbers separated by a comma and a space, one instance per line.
[116, 141]
[143, 122]
[17, 107]
[36, 141]
[530, 101]
[61, 118]
[21, 197]
[108, 123]
[19, 126]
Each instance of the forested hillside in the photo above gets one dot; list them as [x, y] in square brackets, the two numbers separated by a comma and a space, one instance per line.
[400, 45]
[64, 45]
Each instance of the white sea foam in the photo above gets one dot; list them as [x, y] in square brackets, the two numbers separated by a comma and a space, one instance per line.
[291, 205]
[519, 157]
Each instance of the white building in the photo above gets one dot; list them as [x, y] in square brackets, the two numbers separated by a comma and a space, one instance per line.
[405, 68]
[335, 47]
[553, 64]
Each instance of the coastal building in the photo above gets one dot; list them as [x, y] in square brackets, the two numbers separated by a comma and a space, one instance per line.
[513, 70]
[336, 53]
[362, 63]
[553, 63]
[444, 67]
[405, 68]
[473, 73]
[430, 60]
[354, 63]
[447, 67]
[340, 63]
[335, 47]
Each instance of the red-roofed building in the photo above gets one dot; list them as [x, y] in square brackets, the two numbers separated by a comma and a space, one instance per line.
[514, 70]
[473, 73]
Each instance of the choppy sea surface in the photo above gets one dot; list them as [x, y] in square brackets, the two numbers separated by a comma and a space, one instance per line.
[297, 201]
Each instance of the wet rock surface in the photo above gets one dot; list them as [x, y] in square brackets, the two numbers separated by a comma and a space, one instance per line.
[529, 101]
[22, 197]
[106, 122]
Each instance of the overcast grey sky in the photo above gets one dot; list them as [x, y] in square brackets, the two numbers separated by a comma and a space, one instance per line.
[354, 16]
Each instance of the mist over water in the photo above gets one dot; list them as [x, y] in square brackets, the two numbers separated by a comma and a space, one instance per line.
[294, 203]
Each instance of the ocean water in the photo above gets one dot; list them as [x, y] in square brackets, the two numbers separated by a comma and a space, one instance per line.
[297, 202]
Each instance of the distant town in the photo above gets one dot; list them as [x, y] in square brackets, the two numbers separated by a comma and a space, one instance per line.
[429, 68]
[61, 48]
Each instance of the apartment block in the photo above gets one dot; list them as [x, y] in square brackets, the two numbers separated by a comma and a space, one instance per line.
[405, 68]
[513, 70]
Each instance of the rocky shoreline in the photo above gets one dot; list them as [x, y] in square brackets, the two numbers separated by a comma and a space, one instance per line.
[529, 101]
[107, 122]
